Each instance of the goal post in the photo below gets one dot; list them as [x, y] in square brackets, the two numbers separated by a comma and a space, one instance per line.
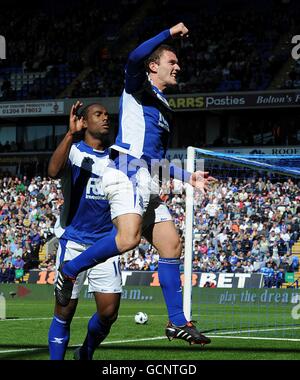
[222, 166]
[188, 252]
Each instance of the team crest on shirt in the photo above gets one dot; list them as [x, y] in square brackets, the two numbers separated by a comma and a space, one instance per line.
[162, 122]
[94, 189]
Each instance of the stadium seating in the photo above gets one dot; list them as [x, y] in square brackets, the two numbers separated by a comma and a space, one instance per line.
[213, 245]
[232, 46]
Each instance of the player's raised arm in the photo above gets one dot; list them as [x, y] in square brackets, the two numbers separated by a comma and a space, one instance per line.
[135, 70]
[199, 180]
[60, 155]
[179, 31]
[136, 58]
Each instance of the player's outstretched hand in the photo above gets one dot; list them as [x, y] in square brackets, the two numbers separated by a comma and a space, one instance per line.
[75, 122]
[179, 30]
[202, 181]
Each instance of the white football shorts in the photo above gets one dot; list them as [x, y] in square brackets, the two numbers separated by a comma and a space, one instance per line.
[125, 198]
[104, 277]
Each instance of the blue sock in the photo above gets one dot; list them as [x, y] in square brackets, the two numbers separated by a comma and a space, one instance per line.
[58, 338]
[97, 332]
[98, 252]
[169, 278]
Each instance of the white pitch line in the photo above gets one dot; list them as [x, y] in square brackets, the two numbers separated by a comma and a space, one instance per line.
[224, 333]
[157, 315]
[77, 345]
[210, 336]
[252, 337]
[258, 330]
[34, 319]
[158, 338]
[135, 340]
[20, 350]
[48, 318]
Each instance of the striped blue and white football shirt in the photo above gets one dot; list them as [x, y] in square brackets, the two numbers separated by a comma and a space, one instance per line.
[144, 113]
[85, 216]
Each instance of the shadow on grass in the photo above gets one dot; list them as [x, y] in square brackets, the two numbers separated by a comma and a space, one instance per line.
[40, 349]
[210, 347]
[19, 355]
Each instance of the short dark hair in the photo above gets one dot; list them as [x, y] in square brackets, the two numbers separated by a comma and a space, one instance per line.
[84, 112]
[157, 53]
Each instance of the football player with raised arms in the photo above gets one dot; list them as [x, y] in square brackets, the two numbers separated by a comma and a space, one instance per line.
[85, 218]
[145, 125]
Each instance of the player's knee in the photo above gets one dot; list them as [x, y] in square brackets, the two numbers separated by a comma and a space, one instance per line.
[109, 319]
[172, 249]
[125, 243]
[65, 313]
[177, 248]
[109, 316]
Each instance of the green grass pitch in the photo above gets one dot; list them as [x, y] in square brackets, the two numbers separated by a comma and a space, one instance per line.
[257, 325]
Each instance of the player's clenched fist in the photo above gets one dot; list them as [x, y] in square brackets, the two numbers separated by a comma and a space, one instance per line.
[179, 30]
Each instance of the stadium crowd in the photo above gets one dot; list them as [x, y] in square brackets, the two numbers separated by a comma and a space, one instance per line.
[28, 210]
[57, 46]
[228, 49]
[241, 225]
[232, 46]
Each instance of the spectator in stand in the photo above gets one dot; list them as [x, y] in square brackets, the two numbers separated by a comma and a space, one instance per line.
[10, 273]
[279, 278]
[295, 263]
[19, 263]
[269, 275]
[48, 265]
[3, 274]
[255, 250]
[248, 267]
[35, 242]
[263, 245]
[239, 267]
[19, 250]
[8, 260]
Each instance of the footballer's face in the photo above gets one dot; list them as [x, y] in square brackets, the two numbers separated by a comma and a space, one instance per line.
[165, 71]
[97, 121]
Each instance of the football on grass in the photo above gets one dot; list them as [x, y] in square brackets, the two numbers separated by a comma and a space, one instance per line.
[141, 318]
